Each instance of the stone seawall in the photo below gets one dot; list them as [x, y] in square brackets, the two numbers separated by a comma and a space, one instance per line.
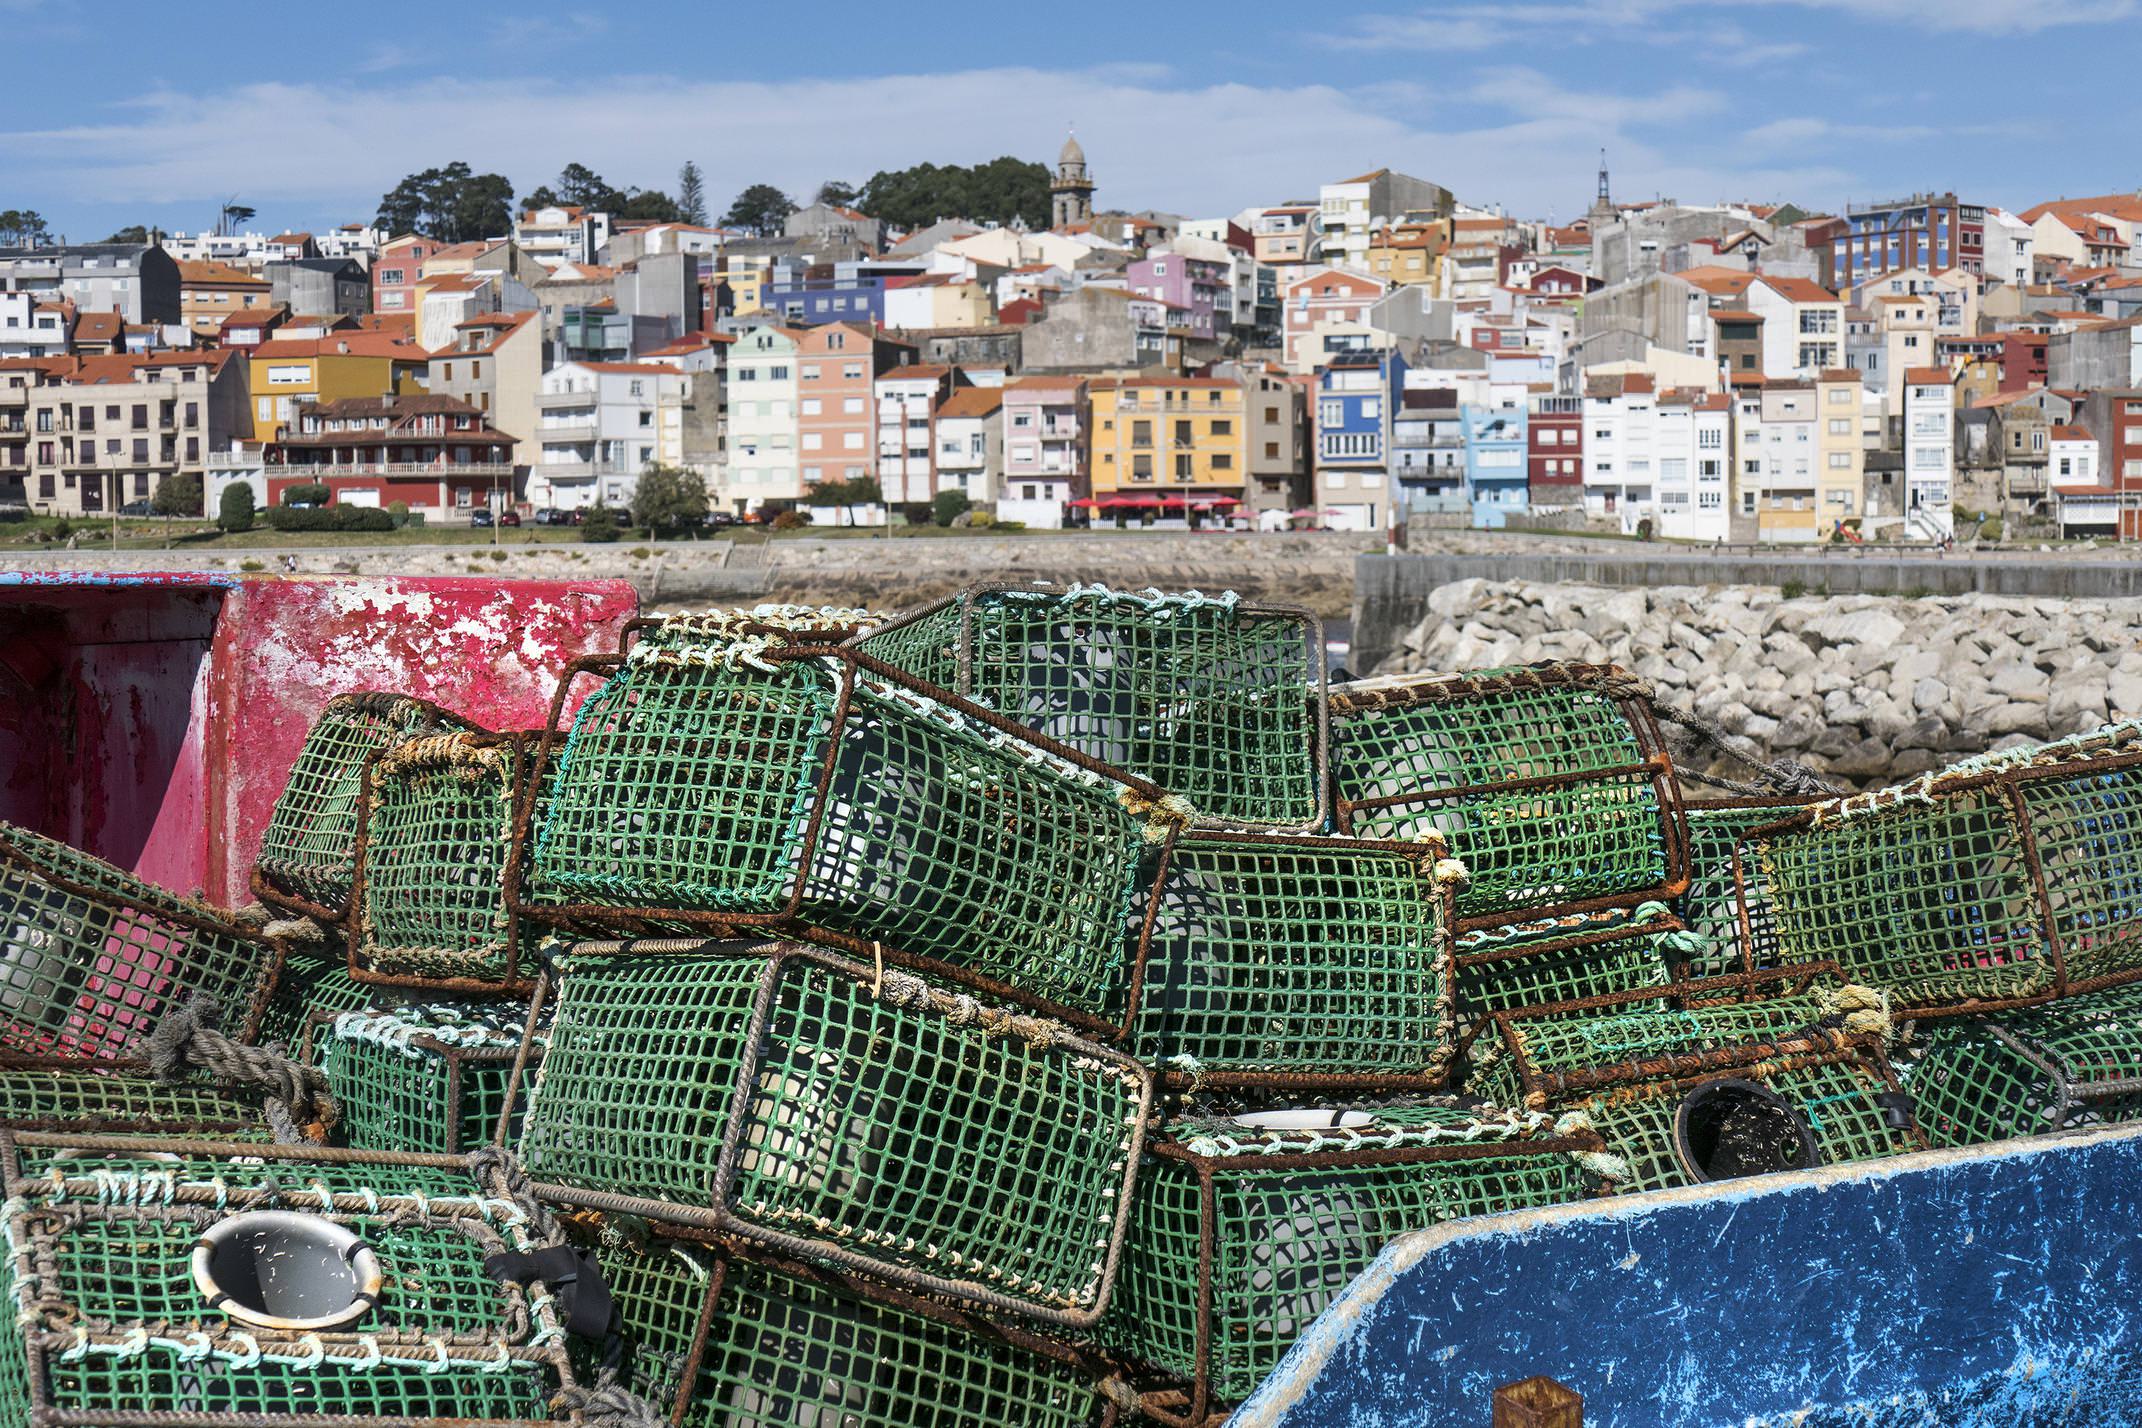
[1863, 687]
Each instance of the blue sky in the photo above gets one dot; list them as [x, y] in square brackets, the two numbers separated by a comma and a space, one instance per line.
[150, 112]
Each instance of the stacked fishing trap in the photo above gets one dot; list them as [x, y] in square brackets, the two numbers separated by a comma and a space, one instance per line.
[1031, 1010]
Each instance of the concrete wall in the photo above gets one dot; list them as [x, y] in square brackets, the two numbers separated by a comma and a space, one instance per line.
[1391, 592]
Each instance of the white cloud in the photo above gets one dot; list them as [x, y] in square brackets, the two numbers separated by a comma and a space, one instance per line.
[1692, 25]
[1504, 134]
[1985, 17]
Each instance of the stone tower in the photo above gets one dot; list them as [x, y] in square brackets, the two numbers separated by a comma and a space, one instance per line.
[1071, 190]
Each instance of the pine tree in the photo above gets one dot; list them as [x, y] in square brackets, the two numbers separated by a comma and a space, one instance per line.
[691, 195]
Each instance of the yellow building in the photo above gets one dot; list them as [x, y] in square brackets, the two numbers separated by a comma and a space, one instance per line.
[746, 280]
[345, 364]
[210, 292]
[1411, 256]
[1840, 450]
[1180, 437]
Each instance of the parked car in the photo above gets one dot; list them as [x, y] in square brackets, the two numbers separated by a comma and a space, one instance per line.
[721, 520]
[480, 517]
[552, 516]
[137, 508]
[509, 518]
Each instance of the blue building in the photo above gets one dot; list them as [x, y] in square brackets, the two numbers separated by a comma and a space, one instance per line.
[834, 292]
[1495, 464]
[1357, 398]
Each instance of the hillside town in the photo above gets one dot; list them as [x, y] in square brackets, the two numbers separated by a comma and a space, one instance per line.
[1377, 354]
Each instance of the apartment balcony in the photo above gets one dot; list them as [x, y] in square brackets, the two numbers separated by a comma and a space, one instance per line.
[574, 431]
[412, 470]
[556, 471]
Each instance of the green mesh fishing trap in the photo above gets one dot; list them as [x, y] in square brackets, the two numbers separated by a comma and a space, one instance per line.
[1753, 1073]
[789, 624]
[824, 797]
[136, 1280]
[1248, 1226]
[1568, 957]
[1551, 784]
[309, 849]
[835, 1113]
[436, 821]
[1998, 881]
[433, 1077]
[92, 957]
[2073, 1062]
[1287, 959]
[52, 1094]
[1216, 699]
[1719, 887]
[720, 1341]
[315, 977]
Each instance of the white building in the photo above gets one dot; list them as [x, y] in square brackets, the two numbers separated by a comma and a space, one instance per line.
[970, 443]
[907, 399]
[31, 325]
[762, 420]
[599, 425]
[560, 234]
[1693, 445]
[2011, 248]
[1620, 446]
[1929, 451]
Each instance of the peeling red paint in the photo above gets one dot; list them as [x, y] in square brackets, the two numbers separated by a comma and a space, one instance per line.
[153, 718]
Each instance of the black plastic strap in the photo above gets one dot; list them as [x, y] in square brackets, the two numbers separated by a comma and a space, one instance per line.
[1897, 1105]
[575, 1281]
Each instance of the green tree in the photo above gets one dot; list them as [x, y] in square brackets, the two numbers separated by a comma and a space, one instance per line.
[544, 197]
[234, 512]
[759, 209]
[1001, 190]
[135, 233]
[862, 491]
[949, 506]
[668, 498]
[838, 193]
[237, 214]
[23, 227]
[650, 205]
[178, 495]
[306, 493]
[691, 195]
[452, 204]
[599, 526]
[581, 187]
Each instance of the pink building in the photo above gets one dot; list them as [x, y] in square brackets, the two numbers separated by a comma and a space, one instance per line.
[1044, 449]
[1324, 295]
[1195, 286]
[837, 368]
[396, 271]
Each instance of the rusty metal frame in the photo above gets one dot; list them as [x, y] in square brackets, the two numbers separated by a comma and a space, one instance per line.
[2079, 761]
[725, 1249]
[513, 982]
[1424, 853]
[264, 886]
[821, 633]
[1610, 681]
[456, 1058]
[1172, 1403]
[207, 919]
[1474, 1023]
[659, 923]
[1312, 627]
[43, 1412]
[94, 1126]
[720, 1219]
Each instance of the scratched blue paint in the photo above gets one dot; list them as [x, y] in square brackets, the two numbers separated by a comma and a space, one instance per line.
[122, 579]
[1991, 1287]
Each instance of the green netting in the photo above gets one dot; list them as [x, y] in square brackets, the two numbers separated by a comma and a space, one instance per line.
[1450, 755]
[79, 1098]
[1290, 1234]
[913, 1133]
[786, 1351]
[660, 1291]
[692, 780]
[309, 848]
[1845, 1099]
[431, 1078]
[1209, 698]
[108, 1304]
[1545, 960]
[439, 827]
[315, 977]
[91, 957]
[1928, 889]
[1711, 906]
[1298, 955]
[2073, 1062]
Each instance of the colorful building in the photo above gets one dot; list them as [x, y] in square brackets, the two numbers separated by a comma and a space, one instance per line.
[1180, 440]
[1496, 451]
[434, 453]
[288, 373]
[1045, 429]
[1357, 393]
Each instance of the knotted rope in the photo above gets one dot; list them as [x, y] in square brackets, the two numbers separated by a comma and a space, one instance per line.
[187, 1040]
[608, 1404]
